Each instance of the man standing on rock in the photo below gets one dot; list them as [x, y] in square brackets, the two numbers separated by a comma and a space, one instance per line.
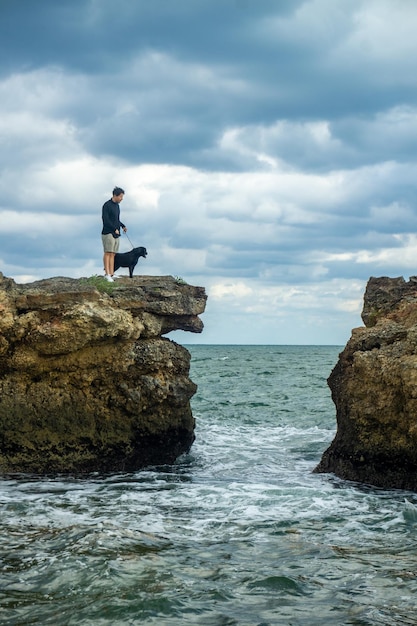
[111, 230]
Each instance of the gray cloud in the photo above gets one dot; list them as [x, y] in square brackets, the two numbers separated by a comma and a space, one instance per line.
[267, 148]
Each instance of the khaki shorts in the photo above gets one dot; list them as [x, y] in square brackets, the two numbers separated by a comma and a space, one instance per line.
[110, 244]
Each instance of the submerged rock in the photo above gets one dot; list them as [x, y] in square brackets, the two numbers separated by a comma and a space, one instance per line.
[87, 380]
[374, 388]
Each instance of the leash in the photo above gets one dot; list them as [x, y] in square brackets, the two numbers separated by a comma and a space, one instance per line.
[128, 239]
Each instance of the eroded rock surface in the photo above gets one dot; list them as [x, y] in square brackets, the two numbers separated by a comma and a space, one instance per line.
[374, 388]
[87, 380]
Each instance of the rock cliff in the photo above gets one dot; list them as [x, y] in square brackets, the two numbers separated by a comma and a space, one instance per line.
[87, 380]
[374, 388]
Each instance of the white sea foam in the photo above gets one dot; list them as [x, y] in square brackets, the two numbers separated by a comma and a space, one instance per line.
[239, 531]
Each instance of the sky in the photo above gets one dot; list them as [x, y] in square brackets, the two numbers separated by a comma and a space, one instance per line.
[267, 149]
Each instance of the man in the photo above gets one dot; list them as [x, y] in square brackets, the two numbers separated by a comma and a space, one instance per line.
[111, 230]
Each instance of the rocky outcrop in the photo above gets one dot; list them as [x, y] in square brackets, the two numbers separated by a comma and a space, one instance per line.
[374, 388]
[87, 380]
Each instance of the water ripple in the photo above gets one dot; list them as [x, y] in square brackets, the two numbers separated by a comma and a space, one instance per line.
[238, 532]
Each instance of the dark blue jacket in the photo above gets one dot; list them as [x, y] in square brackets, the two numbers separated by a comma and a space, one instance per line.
[111, 218]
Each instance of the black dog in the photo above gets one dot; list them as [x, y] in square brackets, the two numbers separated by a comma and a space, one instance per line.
[129, 259]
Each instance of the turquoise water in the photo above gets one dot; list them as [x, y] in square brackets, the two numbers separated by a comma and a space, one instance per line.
[238, 532]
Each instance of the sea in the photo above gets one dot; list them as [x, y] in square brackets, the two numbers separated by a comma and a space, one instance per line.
[238, 532]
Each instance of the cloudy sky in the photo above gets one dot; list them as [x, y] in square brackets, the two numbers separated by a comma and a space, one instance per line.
[267, 149]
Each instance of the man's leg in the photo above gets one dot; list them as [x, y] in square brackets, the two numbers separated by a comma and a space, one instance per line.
[108, 261]
[111, 263]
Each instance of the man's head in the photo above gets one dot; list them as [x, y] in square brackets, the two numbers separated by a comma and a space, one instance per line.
[118, 194]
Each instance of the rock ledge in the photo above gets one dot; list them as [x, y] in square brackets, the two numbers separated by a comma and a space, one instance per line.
[87, 380]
